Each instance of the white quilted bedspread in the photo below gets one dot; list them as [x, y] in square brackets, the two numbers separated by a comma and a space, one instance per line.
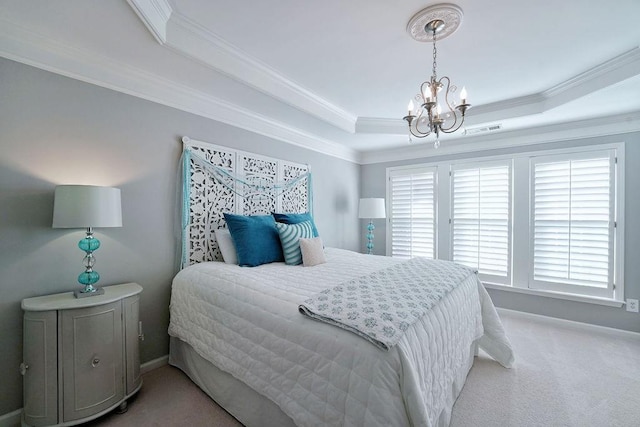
[246, 321]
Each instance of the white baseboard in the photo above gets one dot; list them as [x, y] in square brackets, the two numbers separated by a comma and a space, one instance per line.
[570, 323]
[12, 419]
[153, 364]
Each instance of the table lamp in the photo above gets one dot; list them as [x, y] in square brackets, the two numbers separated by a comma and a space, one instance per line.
[371, 208]
[87, 206]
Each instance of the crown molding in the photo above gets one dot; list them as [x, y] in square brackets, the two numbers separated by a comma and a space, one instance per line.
[25, 46]
[608, 73]
[381, 126]
[589, 128]
[154, 14]
[189, 38]
[507, 109]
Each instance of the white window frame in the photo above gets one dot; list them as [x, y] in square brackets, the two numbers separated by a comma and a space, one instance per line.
[521, 217]
[403, 171]
[568, 287]
[486, 278]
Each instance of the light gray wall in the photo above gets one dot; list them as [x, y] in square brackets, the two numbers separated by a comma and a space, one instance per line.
[372, 178]
[56, 130]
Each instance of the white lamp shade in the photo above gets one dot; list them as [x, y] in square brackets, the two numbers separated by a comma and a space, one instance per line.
[371, 208]
[83, 206]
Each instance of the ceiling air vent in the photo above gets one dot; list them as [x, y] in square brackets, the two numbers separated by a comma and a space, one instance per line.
[483, 129]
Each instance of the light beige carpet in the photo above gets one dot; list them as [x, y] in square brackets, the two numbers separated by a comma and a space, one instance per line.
[168, 398]
[564, 376]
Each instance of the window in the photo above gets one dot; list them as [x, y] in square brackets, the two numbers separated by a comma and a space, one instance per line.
[412, 204]
[546, 222]
[480, 219]
[572, 227]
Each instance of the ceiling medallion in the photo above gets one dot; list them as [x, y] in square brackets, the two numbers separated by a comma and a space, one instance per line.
[450, 14]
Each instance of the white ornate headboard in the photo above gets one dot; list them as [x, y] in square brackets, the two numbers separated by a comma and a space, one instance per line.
[217, 179]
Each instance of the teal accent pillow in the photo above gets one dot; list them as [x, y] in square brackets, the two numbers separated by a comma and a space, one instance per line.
[296, 218]
[256, 239]
[290, 235]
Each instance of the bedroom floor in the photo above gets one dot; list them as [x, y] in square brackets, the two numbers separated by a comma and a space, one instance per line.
[564, 376]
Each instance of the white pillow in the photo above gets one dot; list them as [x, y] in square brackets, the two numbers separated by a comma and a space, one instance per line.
[227, 248]
[312, 252]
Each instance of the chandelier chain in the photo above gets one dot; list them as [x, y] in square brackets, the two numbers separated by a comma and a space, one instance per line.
[435, 53]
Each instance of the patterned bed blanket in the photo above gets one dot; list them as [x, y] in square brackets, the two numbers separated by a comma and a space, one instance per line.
[382, 305]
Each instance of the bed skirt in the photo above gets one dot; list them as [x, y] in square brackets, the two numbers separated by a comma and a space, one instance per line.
[255, 410]
[246, 405]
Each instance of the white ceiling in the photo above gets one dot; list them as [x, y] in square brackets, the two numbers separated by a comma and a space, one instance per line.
[335, 76]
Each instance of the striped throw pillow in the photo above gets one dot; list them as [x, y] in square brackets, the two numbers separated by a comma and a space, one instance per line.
[290, 235]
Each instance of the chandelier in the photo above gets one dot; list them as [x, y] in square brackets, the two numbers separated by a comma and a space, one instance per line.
[426, 116]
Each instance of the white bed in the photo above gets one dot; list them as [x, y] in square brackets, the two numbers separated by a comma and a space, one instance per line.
[237, 332]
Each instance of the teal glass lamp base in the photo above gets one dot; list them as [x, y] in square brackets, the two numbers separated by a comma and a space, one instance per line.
[88, 277]
[370, 229]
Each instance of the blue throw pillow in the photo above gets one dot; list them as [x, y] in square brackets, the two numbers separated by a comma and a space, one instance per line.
[296, 218]
[256, 239]
[290, 235]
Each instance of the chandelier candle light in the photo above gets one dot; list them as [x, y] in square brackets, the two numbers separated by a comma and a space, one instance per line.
[427, 117]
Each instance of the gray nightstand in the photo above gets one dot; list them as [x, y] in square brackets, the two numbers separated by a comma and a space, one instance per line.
[81, 356]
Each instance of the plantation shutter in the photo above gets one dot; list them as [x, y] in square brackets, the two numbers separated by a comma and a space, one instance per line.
[573, 219]
[481, 219]
[412, 220]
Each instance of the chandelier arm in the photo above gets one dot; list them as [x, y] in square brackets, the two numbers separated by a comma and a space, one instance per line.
[450, 88]
[452, 109]
[450, 130]
[410, 119]
[419, 135]
[418, 120]
[453, 125]
[457, 122]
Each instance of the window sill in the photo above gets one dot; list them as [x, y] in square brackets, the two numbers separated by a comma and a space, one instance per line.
[557, 295]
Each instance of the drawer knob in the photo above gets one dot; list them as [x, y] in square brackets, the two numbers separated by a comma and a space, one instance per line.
[95, 362]
[23, 368]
